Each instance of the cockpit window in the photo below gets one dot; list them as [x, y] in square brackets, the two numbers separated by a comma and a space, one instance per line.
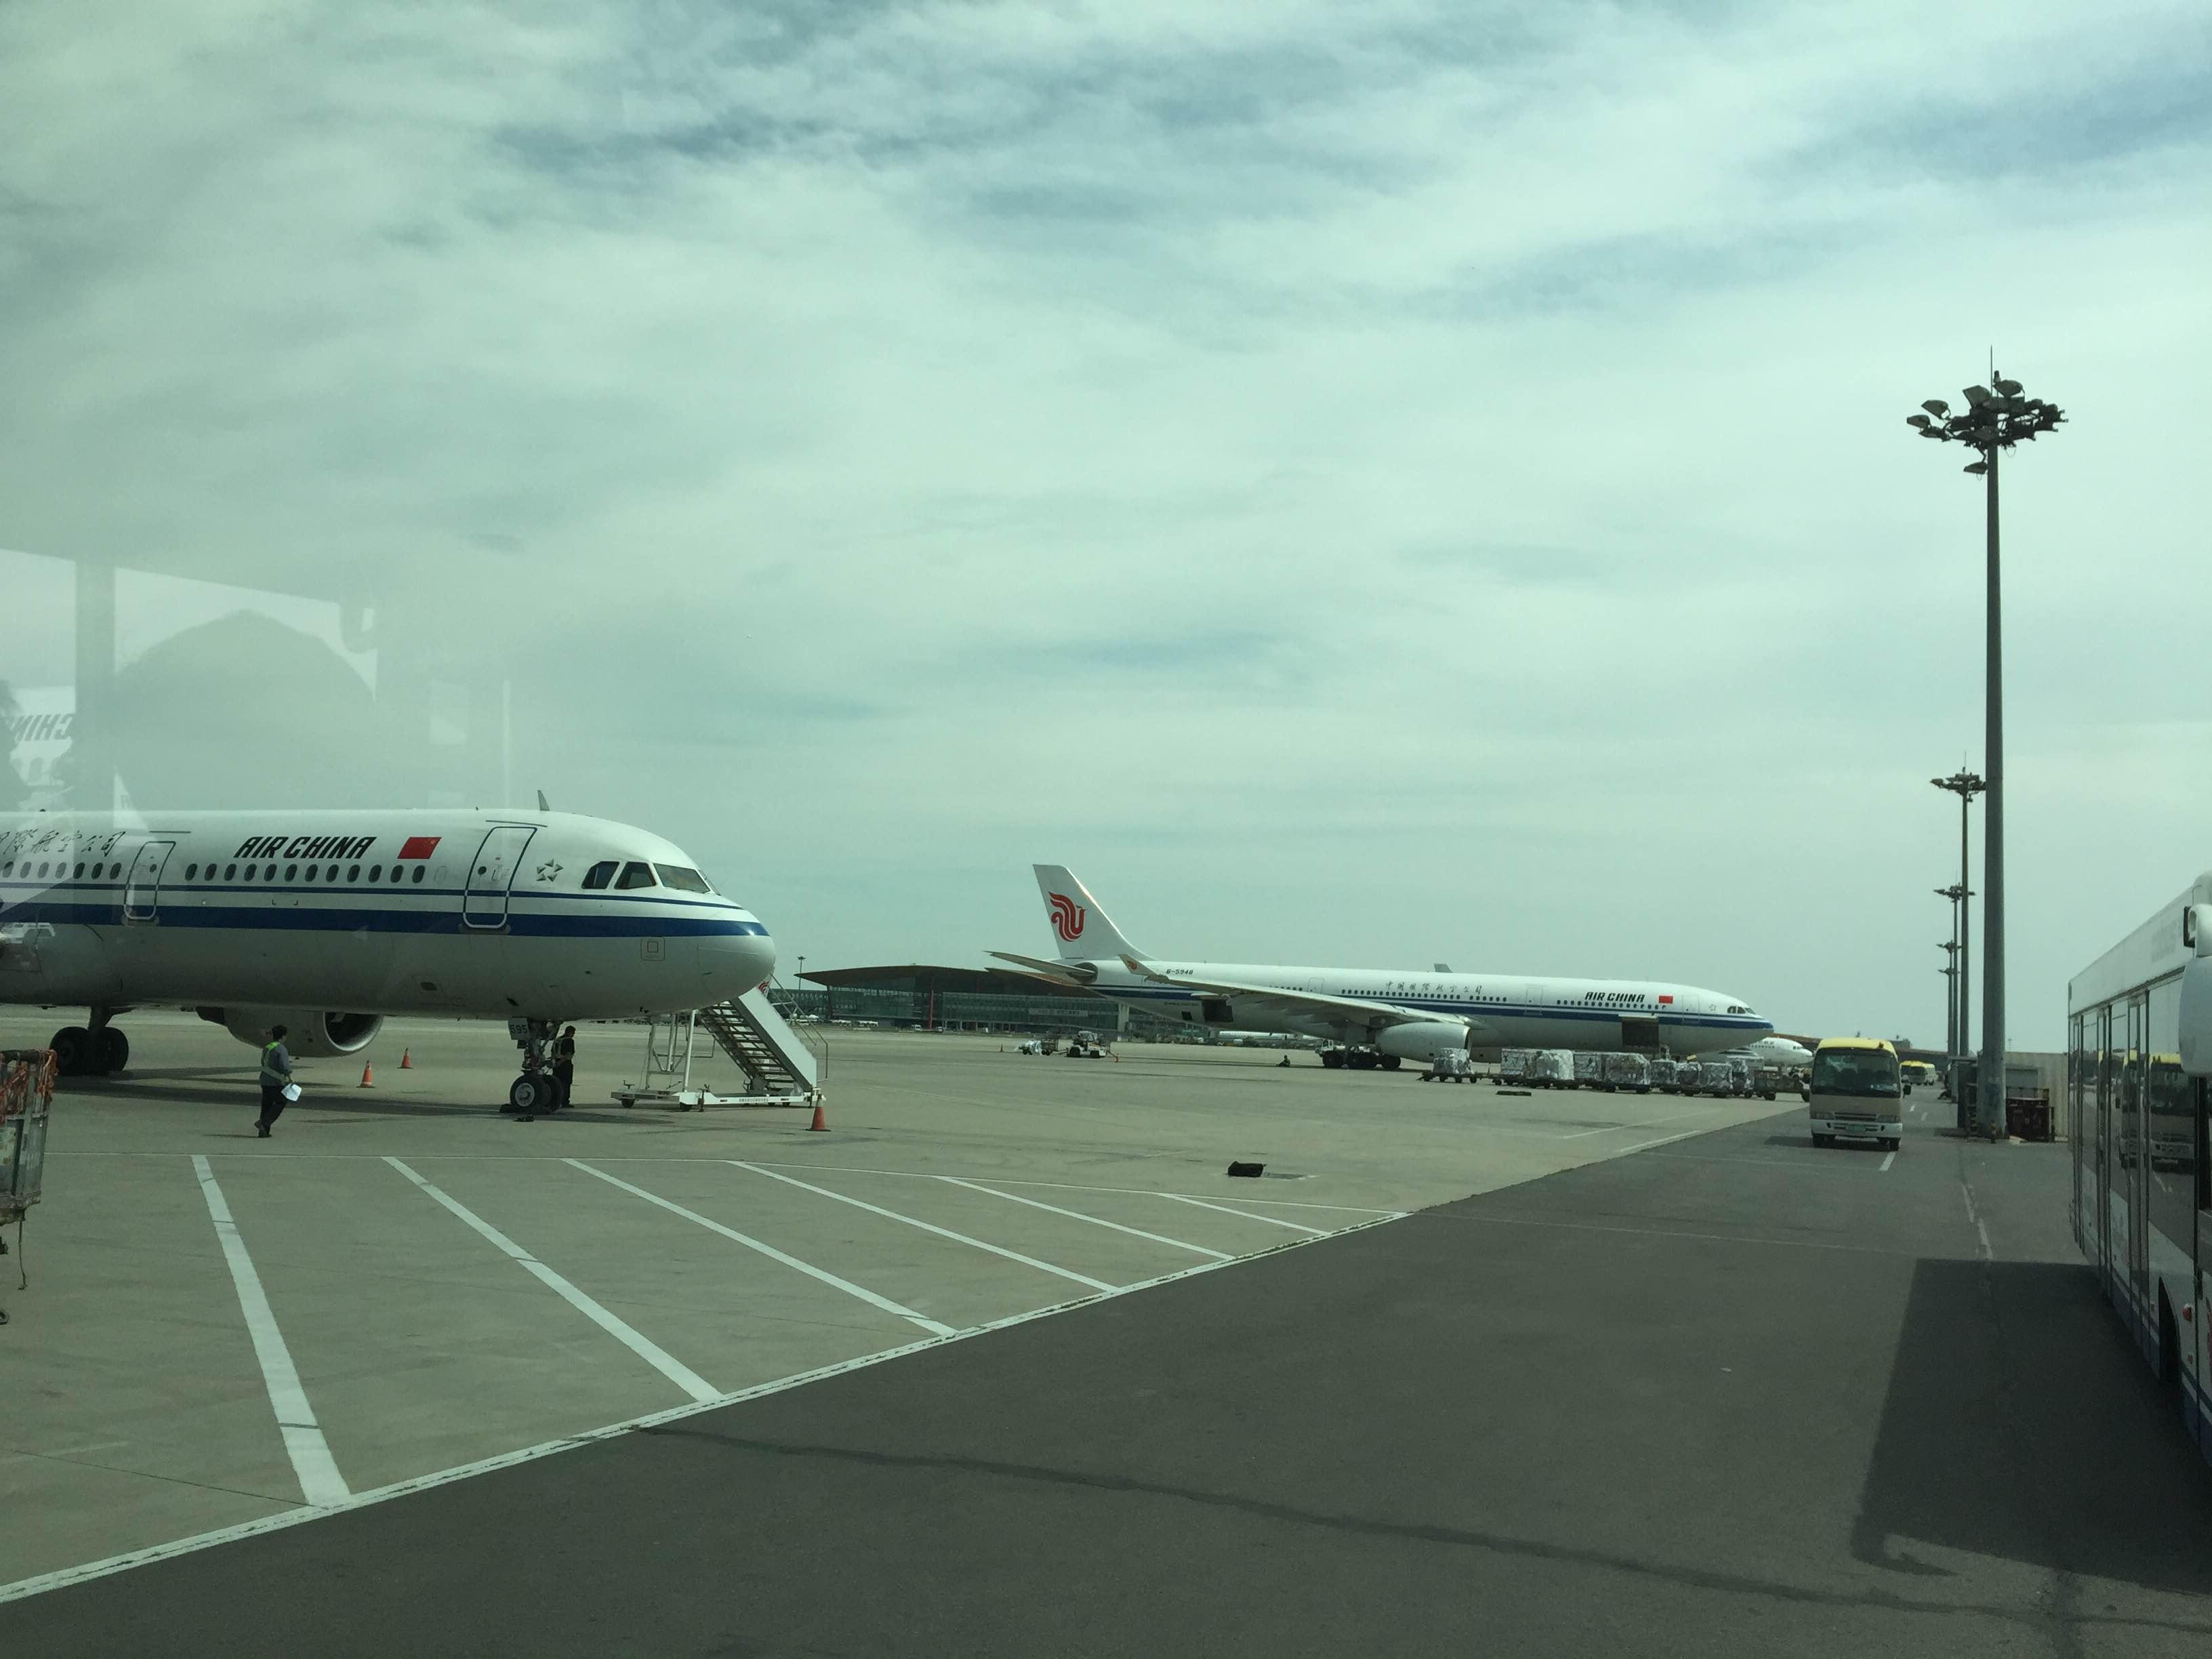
[601, 874]
[682, 880]
[636, 875]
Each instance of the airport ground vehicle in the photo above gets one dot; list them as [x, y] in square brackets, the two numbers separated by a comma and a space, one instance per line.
[1665, 1075]
[1589, 1069]
[1854, 1092]
[1630, 1073]
[1085, 1045]
[1450, 1066]
[1513, 1064]
[1550, 1068]
[2139, 1054]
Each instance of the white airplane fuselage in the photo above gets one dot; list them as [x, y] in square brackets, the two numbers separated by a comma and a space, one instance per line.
[462, 912]
[1507, 1011]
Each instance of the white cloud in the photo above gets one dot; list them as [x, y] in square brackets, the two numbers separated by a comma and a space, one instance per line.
[1368, 486]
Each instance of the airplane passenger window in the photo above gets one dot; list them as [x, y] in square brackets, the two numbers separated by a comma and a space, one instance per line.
[291, 872]
[636, 875]
[330, 874]
[600, 875]
[682, 880]
[418, 874]
[353, 871]
[311, 873]
[249, 873]
[229, 871]
[398, 871]
[268, 874]
[80, 873]
[192, 872]
[376, 873]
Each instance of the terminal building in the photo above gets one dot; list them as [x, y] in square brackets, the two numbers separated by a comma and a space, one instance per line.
[922, 997]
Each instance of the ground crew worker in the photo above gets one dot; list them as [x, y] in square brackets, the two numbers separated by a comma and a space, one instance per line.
[564, 1062]
[275, 1072]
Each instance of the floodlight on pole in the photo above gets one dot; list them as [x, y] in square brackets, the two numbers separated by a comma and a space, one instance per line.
[1991, 425]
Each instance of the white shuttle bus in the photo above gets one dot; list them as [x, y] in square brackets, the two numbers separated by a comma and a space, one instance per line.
[2139, 1051]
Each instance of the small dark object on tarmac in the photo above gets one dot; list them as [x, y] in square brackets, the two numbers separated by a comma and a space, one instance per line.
[1246, 1169]
[1513, 1091]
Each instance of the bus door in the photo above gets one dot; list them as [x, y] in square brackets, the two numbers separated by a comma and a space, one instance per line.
[2101, 1082]
[2135, 1098]
[491, 872]
[142, 893]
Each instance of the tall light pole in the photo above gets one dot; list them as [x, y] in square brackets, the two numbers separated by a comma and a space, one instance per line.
[1950, 972]
[1997, 416]
[1966, 785]
[1956, 1014]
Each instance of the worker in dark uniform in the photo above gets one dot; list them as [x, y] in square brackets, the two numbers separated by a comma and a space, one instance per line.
[275, 1073]
[564, 1062]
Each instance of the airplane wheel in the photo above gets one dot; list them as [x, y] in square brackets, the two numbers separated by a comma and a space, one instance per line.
[111, 1049]
[530, 1095]
[72, 1046]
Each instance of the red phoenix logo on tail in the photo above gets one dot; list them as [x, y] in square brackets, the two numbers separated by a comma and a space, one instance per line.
[1067, 918]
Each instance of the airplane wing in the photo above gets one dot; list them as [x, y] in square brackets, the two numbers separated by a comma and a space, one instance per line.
[1060, 973]
[1311, 1002]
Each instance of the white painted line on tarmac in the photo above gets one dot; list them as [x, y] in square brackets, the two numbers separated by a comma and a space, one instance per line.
[1376, 1210]
[1664, 1140]
[930, 1227]
[1206, 1204]
[1886, 1163]
[1135, 1232]
[636, 1341]
[320, 1483]
[1615, 1128]
[64, 1576]
[770, 1251]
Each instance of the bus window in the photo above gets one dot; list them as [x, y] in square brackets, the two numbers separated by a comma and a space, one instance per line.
[636, 875]
[682, 880]
[601, 874]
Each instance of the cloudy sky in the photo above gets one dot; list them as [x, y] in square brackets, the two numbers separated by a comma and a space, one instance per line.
[1379, 484]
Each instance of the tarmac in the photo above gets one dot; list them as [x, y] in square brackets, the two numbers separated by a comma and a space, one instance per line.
[1005, 1364]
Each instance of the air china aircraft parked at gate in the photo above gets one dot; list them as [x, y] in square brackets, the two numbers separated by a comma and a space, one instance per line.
[326, 922]
[1383, 1016]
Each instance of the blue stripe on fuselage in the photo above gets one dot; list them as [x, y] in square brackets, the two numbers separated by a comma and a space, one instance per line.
[298, 918]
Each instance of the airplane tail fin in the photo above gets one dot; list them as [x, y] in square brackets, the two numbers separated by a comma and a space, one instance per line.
[1080, 928]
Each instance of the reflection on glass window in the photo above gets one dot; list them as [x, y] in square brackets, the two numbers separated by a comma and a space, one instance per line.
[682, 880]
[601, 874]
[636, 875]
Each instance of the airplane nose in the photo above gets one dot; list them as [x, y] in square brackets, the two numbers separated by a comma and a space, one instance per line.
[733, 963]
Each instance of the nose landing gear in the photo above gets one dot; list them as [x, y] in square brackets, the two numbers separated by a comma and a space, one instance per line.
[537, 1092]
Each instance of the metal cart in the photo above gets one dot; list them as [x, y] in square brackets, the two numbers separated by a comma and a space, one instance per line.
[27, 1096]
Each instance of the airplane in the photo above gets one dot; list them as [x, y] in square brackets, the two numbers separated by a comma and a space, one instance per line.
[1382, 1017]
[327, 922]
[1778, 1051]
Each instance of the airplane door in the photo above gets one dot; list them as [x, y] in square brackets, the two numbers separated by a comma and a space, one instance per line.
[484, 904]
[142, 893]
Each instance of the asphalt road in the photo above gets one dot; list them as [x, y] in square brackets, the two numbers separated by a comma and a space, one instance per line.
[1727, 1396]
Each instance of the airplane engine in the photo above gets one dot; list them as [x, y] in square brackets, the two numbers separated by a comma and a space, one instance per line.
[308, 1035]
[1419, 1041]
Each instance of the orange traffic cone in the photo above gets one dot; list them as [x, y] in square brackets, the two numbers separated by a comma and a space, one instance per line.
[821, 1118]
[406, 1060]
[367, 1077]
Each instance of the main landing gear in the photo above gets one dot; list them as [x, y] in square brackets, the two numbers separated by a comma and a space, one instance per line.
[1359, 1060]
[537, 1092]
[98, 1050]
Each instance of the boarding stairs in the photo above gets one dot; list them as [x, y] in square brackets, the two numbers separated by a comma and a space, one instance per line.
[782, 1066]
